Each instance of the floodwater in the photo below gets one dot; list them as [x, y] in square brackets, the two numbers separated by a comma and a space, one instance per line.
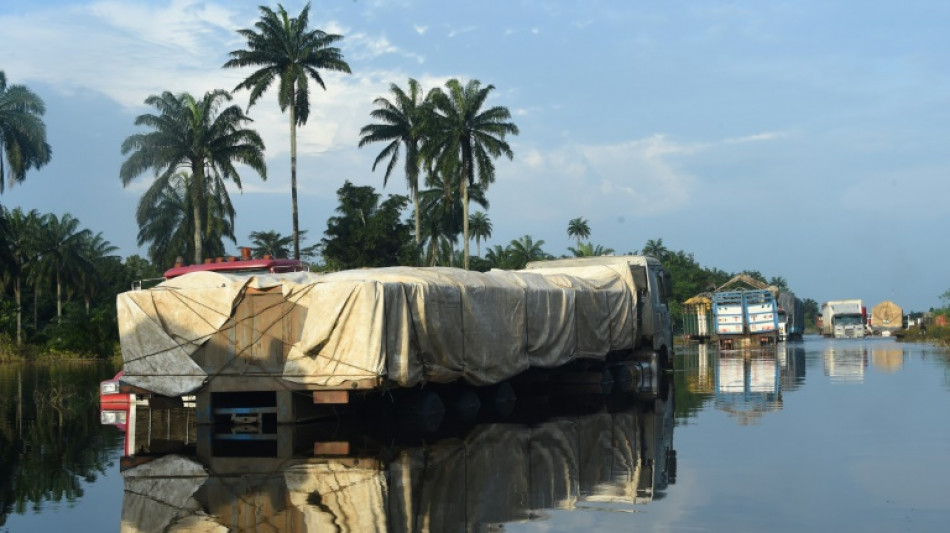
[822, 435]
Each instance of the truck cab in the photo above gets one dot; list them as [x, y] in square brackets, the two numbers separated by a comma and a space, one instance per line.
[848, 326]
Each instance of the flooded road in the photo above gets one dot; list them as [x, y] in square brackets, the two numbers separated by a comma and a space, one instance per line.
[821, 435]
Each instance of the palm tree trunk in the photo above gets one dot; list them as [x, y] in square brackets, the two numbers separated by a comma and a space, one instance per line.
[19, 310]
[415, 204]
[59, 296]
[293, 175]
[197, 182]
[464, 183]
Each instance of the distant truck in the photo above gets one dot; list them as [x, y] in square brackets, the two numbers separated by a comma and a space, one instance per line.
[843, 319]
[886, 319]
[791, 317]
[745, 318]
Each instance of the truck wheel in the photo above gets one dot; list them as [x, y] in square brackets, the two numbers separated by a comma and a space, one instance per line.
[463, 404]
[499, 399]
[422, 410]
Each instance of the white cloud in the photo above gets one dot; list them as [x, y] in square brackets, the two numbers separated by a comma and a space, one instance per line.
[142, 50]
[633, 179]
[460, 31]
[757, 137]
[421, 30]
[361, 46]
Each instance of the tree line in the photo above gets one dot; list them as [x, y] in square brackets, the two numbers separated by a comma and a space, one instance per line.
[59, 284]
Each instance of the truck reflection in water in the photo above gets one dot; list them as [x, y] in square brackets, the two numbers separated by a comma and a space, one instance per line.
[351, 476]
[845, 363]
[745, 383]
[748, 386]
[887, 360]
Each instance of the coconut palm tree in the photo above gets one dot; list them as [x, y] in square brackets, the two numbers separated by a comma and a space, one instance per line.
[525, 249]
[578, 228]
[166, 221]
[479, 225]
[655, 248]
[61, 260]
[401, 125]
[22, 132]
[587, 249]
[501, 257]
[18, 233]
[94, 249]
[779, 281]
[285, 49]
[200, 136]
[442, 205]
[463, 138]
[270, 243]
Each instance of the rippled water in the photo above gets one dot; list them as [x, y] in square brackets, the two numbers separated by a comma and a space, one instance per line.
[822, 435]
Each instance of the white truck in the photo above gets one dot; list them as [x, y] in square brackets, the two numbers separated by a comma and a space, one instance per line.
[843, 319]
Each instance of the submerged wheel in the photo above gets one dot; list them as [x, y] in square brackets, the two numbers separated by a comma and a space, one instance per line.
[622, 379]
[422, 410]
[463, 404]
[499, 399]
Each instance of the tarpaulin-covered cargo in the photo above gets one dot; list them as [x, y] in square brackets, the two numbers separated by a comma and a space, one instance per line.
[360, 328]
[886, 318]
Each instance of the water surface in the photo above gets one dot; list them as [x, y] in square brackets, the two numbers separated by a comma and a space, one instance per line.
[822, 435]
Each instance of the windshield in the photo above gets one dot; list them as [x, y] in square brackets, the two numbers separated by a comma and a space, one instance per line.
[848, 320]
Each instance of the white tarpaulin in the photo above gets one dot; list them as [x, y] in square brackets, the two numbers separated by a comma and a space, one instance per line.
[407, 325]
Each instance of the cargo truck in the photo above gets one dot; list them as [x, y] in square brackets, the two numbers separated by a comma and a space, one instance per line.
[745, 318]
[271, 342]
[843, 319]
[791, 317]
[886, 319]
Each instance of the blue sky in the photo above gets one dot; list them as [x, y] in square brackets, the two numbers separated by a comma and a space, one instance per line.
[804, 139]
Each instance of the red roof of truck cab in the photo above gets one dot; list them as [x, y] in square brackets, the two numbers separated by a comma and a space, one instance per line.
[250, 265]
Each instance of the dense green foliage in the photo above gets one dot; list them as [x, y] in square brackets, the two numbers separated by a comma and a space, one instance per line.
[59, 286]
[365, 232]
